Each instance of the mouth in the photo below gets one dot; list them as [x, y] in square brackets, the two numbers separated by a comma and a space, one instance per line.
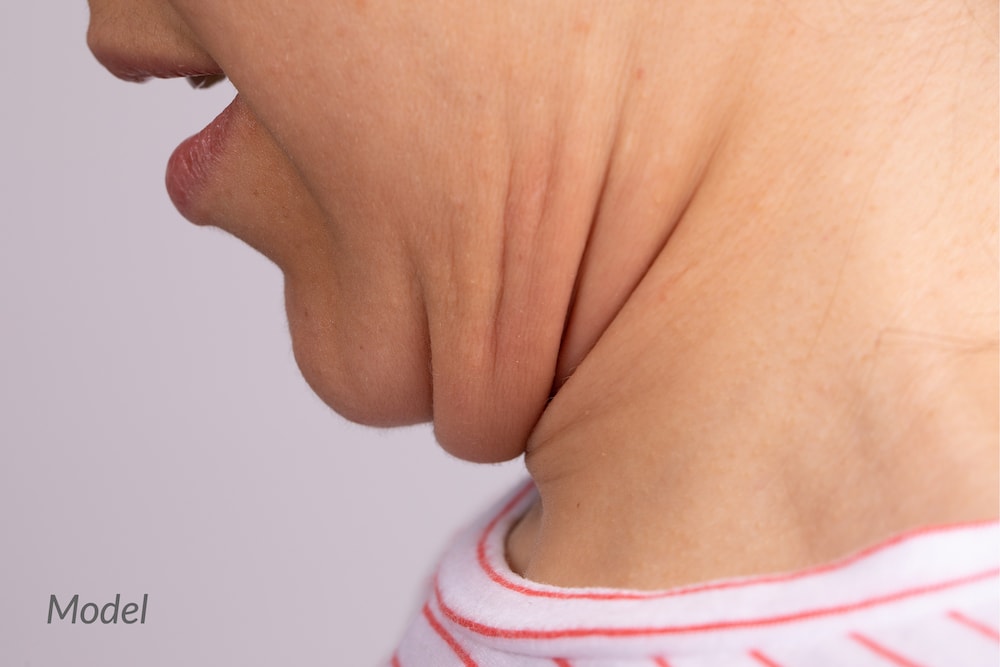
[193, 162]
[205, 81]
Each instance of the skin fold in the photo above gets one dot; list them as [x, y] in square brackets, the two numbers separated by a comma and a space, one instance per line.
[726, 273]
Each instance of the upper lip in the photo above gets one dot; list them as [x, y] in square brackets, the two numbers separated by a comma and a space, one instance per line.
[139, 66]
[140, 69]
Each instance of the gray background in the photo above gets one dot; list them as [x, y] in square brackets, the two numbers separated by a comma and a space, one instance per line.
[156, 435]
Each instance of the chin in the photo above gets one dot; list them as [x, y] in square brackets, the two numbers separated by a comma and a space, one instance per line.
[357, 390]
[377, 372]
[368, 389]
[374, 384]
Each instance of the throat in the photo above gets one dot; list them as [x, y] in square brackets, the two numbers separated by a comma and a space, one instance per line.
[806, 363]
[645, 520]
[675, 456]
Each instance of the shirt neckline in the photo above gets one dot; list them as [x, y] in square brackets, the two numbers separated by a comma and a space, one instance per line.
[477, 592]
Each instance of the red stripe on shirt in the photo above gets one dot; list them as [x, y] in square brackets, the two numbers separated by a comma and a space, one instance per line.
[499, 578]
[451, 641]
[661, 662]
[395, 661]
[883, 652]
[763, 659]
[562, 662]
[526, 633]
[973, 624]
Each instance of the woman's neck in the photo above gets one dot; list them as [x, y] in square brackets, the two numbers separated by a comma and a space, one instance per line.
[809, 362]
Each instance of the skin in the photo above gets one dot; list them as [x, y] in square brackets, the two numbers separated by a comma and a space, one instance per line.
[738, 307]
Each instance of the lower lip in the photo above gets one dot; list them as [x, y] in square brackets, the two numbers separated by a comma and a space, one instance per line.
[192, 163]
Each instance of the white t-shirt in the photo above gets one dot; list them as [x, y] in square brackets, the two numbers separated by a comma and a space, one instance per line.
[928, 598]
